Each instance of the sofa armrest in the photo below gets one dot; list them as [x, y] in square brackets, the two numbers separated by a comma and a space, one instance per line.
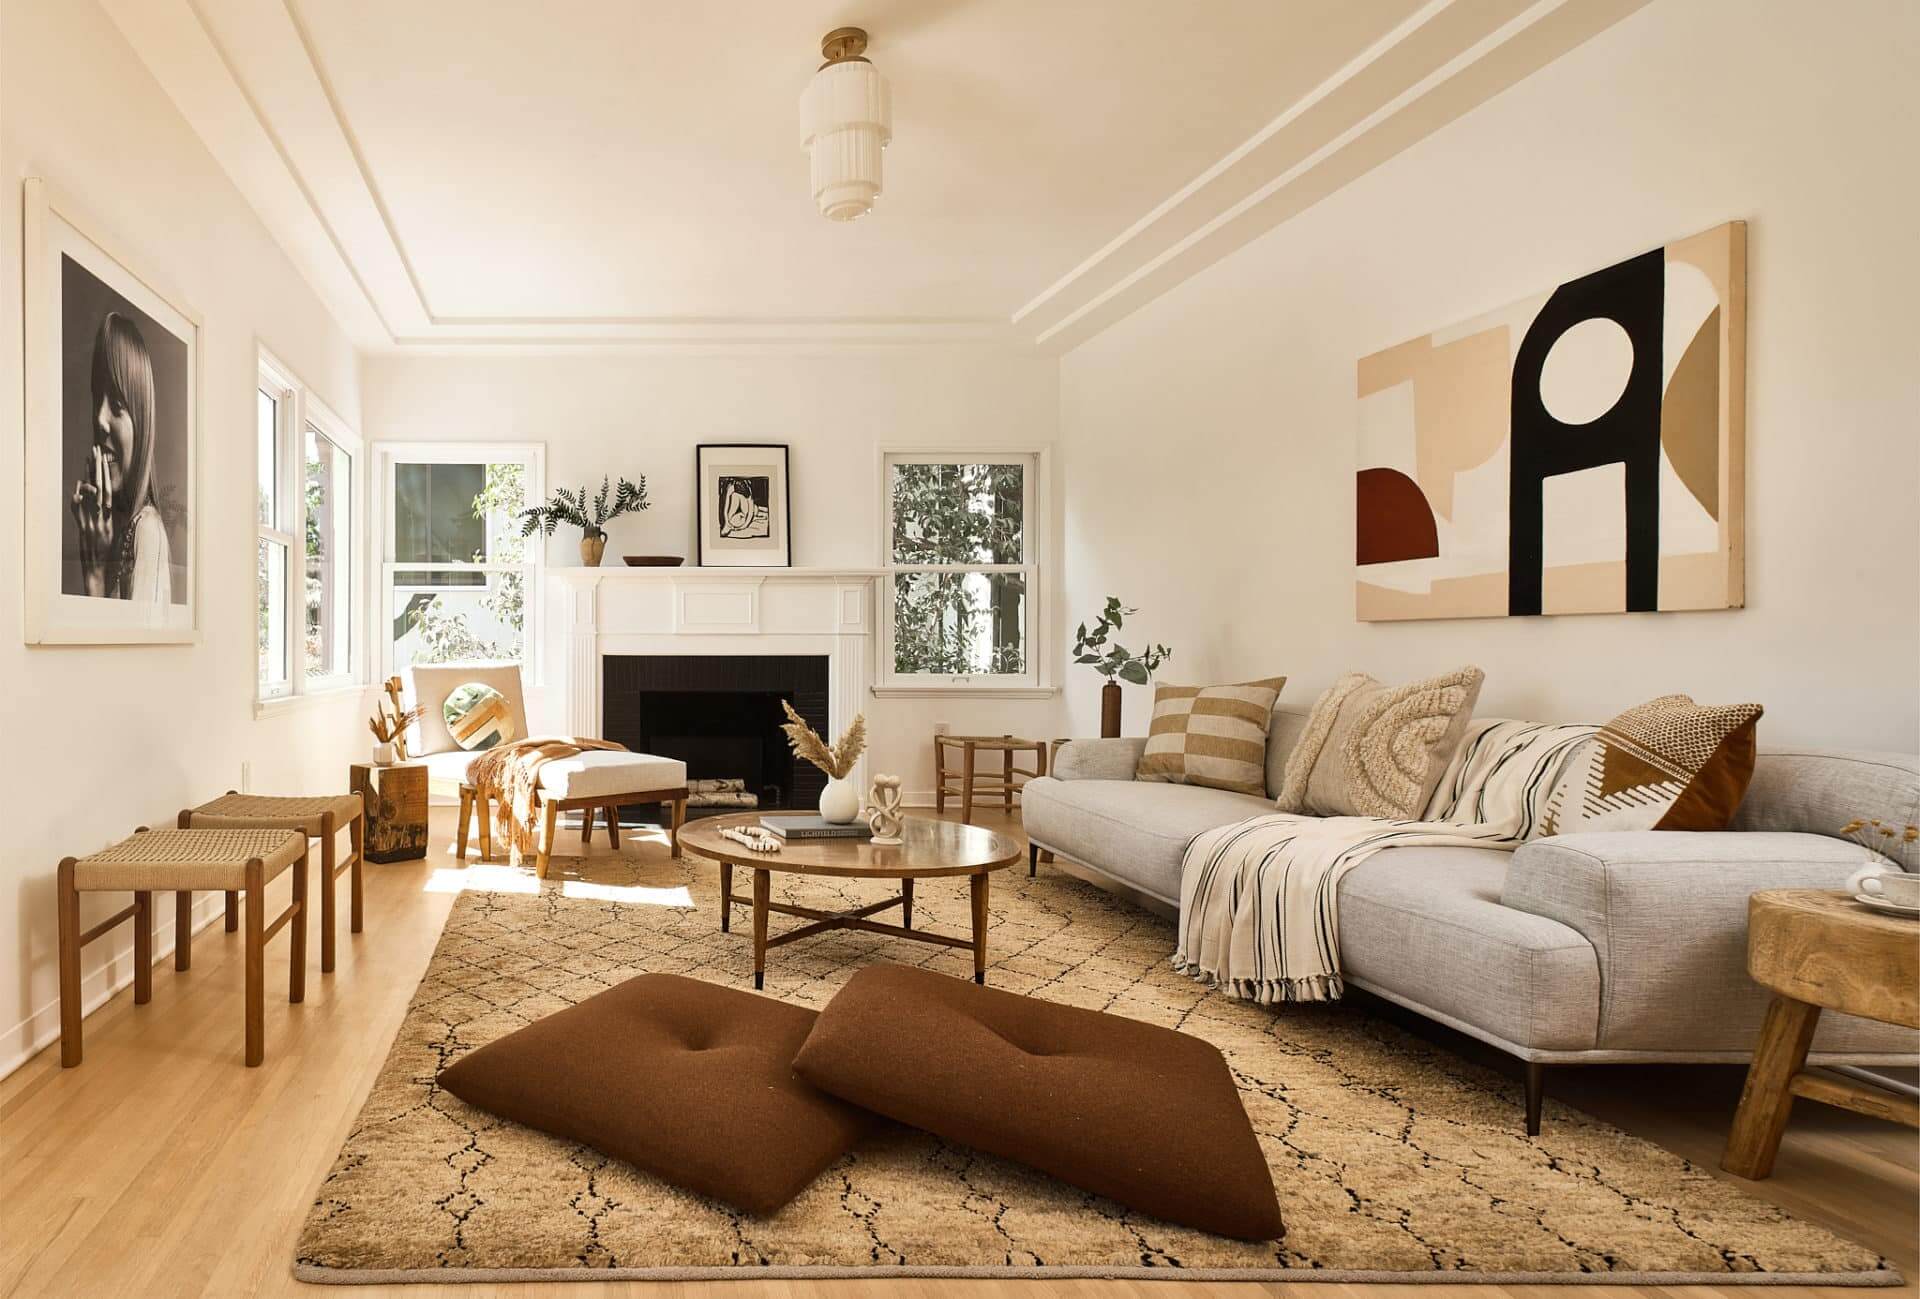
[1666, 913]
[1113, 759]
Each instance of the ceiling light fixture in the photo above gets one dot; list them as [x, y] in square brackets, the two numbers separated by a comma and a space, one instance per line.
[846, 119]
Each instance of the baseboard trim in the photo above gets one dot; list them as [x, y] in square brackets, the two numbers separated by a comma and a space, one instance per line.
[41, 1029]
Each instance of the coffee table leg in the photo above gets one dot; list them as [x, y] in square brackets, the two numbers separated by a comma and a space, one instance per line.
[726, 897]
[980, 927]
[1765, 1102]
[906, 904]
[762, 888]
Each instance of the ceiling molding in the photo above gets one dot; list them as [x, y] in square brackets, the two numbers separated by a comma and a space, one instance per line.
[276, 125]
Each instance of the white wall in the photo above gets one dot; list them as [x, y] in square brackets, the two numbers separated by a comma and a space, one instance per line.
[1208, 441]
[631, 413]
[101, 739]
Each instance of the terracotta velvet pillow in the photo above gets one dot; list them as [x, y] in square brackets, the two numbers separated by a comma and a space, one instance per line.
[1137, 1113]
[689, 1081]
[1668, 764]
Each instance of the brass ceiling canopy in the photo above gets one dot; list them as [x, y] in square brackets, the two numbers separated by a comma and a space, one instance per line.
[843, 45]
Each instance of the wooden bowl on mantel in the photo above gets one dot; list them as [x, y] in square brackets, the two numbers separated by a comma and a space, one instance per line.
[654, 561]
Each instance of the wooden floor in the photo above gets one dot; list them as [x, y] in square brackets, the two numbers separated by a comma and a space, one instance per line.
[163, 1167]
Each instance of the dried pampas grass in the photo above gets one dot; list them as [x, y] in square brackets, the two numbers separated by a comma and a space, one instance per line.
[836, 759]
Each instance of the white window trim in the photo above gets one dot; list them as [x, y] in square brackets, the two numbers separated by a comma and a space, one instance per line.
[382, 566]
[297, 408]
[1036, 681]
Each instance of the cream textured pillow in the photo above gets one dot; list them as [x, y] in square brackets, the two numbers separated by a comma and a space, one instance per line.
[1377, 750]
[1668, 764]
[1211, 735]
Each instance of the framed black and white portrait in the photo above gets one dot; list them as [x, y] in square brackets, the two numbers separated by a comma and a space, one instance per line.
[112, 404]
[743, 517]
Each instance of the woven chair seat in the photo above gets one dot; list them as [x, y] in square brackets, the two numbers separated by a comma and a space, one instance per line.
[269, 811]
[187, 859]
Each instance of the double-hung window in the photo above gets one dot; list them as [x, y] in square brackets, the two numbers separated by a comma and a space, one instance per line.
[960, 595]
[457, 578]
[306, 630]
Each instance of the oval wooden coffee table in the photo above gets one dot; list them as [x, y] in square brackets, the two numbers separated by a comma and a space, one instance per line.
[931, 850]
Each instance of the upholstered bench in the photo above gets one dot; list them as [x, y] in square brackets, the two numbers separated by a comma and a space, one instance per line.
[319, 818]
[182, 861]
[596, 779]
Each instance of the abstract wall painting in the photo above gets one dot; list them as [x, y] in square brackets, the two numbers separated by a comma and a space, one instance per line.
[1582, 451]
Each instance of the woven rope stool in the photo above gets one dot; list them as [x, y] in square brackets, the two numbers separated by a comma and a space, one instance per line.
[317, 818]
[183, 860]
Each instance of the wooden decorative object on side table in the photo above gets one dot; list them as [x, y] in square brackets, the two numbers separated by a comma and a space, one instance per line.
[1816, 950]
[971, 782]
[929, 849]
[396, 799]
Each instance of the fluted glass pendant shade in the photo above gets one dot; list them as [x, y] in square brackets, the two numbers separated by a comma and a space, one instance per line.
[846, 119]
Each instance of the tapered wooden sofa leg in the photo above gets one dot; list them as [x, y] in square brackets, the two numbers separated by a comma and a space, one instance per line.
[1536, 1093]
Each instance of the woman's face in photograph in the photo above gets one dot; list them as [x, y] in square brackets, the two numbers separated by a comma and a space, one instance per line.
[113, 434]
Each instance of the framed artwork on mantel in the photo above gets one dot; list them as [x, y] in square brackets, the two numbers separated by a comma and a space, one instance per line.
[110, 526]
[743, 514]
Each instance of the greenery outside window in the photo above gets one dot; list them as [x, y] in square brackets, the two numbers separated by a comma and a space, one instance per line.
[456, 574]
[961, 588]
[306, 553]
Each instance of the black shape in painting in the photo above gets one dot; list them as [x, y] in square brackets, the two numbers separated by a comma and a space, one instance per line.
[744, 506]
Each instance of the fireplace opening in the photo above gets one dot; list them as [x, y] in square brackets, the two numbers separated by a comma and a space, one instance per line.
[720, 714]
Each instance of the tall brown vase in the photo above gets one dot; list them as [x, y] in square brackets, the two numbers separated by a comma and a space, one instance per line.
[1110, 710]
[591, 549]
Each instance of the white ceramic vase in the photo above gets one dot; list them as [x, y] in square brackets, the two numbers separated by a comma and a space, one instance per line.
[839, 801]
[383, 755]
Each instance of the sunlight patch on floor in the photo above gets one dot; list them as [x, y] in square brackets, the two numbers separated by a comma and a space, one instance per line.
[638, 894]
[482, 877]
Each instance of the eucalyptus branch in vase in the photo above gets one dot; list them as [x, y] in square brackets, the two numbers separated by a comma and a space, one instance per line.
[590, 516]
[1097, 648]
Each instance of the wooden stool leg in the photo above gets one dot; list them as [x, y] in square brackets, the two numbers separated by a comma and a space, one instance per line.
[1006, 781]
[327, 850]
[183, 929]
[726, 896]
[1766, 1102]
[966, 783]
[613, 825]
[550, 824]
[256, 919]
[460, 834]
[762, 894]
[142, 947]
[586, 827]
[486, 824]
[233, 910]
[939, 777]
[69, 904]
[979, 881]
[357, 840]
[297, 957]
[679, 819]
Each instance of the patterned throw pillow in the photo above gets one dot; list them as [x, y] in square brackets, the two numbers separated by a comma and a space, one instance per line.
[1377, 750]
[1670, 764]
[1213, 735]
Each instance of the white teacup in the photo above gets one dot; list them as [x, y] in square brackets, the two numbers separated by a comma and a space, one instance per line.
[1888, 883]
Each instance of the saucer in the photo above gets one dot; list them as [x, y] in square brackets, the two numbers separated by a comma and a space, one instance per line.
[1885, 907]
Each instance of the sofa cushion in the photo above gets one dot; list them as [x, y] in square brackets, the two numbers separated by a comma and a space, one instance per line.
[1210, 735]
[1135, 1112]
[1425, 926]
[1817, 791]
[1667, 764]
[686, 1080]
[1376, 750]
[429, 684]
[599, 772]
[1131, 830]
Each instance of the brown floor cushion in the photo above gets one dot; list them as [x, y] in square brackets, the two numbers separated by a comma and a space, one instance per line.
[1137, 1113]
[690, 1081]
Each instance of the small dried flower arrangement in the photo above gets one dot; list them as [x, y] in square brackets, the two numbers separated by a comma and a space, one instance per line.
[393, 729]
[836, 759]
[1881, 836]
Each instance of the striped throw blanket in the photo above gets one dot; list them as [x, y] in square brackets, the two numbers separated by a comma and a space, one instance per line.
[1259, 899]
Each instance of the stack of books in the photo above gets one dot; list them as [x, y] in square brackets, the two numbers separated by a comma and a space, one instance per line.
[802, 826]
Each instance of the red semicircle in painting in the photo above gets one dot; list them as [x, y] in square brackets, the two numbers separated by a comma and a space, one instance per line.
[1392, 520]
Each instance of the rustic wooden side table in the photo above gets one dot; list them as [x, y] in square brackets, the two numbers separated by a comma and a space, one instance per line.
[972, 782]
[396, 799]
[1816, 950]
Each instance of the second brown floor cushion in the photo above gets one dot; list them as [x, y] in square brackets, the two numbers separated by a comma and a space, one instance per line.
[689, 1081]
[1137, 1113]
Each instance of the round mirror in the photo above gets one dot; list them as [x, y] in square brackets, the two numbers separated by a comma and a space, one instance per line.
[477, 716]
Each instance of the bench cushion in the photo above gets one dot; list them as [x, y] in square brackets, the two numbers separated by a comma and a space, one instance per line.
[686, 1080]
[599, 772]
[1137, 1113]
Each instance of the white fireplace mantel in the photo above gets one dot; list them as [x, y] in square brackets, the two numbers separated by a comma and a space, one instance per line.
[602, 611]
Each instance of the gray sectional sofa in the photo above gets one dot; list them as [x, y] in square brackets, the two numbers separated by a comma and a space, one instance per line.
[1578, 948]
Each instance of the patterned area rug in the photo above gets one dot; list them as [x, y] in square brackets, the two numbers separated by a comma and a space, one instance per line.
[1394, 1160]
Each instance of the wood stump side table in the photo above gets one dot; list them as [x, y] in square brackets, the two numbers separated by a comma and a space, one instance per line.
[396, 799]
[988, 783]
[1818, 950]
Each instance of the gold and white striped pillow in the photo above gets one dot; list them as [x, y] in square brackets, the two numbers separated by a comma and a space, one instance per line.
[1211, 735]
